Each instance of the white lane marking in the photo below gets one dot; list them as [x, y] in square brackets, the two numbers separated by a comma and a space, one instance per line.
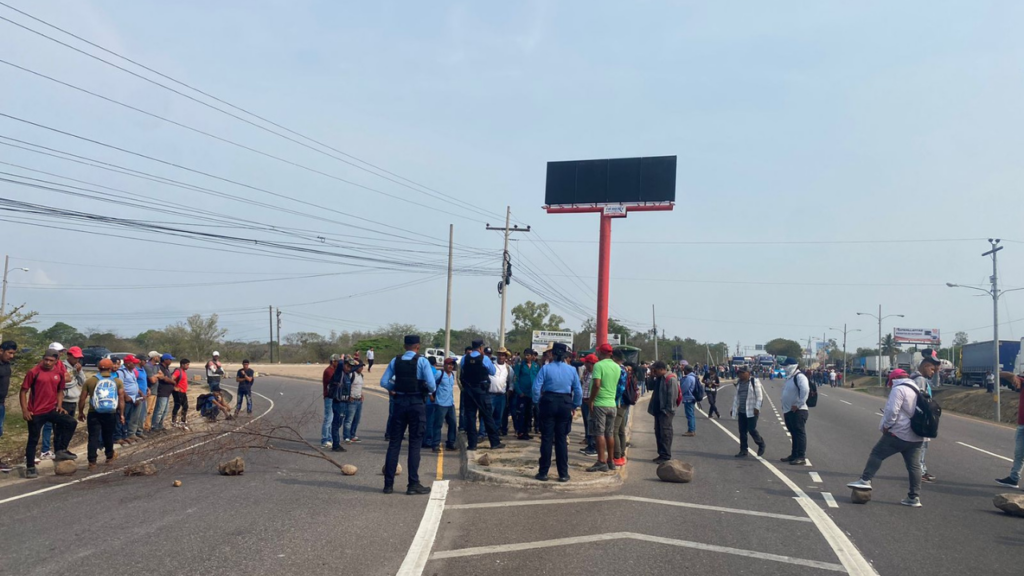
[807, 462]
[153, 459]
[815, 477]
[825, 395]
[480, 550]
[627, 499]
[985, 452]
[419, 551]
[830, 500]
[851, 558]
[845, 402]
[787, 434]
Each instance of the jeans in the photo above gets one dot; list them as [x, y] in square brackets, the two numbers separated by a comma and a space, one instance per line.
[213, 383]
[924, 452]
[325, 430]
[159, 412]
[506, 411]
[428, 429]
[409, 412]
[663, 434]
[748, 425]
[70, 408]
[796, 423]
[341, 422]
[479, 402]
[555, 414]
[524, 415]
[621, 422]
[1018, 455]
[712, 404]
[63, 430]
[101, 431]
[691, 416]
[442, 415]
[357, 413]
[3, 415]
[887, 446]
[591, 445]
[497, 407]
[121, 431]
[247, 394]
[138, 422]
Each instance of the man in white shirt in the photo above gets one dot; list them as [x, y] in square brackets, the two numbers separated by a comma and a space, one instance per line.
[832, 378]
[369, 360]
[499, 385]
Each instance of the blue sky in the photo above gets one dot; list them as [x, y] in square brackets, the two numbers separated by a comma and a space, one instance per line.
[805, 123]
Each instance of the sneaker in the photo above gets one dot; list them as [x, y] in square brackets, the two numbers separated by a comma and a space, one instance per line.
[928, 477]
[660, 459]
[5, 467]
[73, 455]
[599, 467]
[437, 449]
[912, 502]
[110, 460]
[355, 439]
[761, 449]
[619, 461]
[528, 437]
[348, 440]
[541, 477]
[450, 448]
[798, 462]
[46, 455]
[689, 433]
[31, 473]
[417, 488]
[325, 444]
[589, 451]
[860, 485]
[563, 478]
[1008, 482]
[338, 449]
[62, 455]
[388, 490]
[611, 465]
[499, 446]
[786, 459]
[742, 454]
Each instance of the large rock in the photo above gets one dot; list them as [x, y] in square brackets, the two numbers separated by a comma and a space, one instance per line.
[146, 469]
[65, 468]
[235, 467]
[484, 460]
[1010, 503]
[860, 496]
[349, 470]
[675, 471]
[398, 470]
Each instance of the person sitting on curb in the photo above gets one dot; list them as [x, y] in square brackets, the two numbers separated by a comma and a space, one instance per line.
[211, 405]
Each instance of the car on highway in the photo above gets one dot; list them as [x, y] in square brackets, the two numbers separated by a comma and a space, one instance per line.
[118, 355]
[91, 355]
[438, 355]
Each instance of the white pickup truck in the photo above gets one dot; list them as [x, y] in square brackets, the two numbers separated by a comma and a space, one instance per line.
[438, 355]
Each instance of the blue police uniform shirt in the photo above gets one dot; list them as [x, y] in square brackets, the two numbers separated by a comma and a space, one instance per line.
[445, 394]
[424, 372]
[487, 362]
[560, 378]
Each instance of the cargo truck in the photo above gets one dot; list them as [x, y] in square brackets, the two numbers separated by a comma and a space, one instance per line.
[976, 360]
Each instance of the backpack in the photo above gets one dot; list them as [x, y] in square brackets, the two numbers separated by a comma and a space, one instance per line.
[925, 421]
[201, 402]
[631, 393]
[104, 396]
[812, 392]
[698, 390]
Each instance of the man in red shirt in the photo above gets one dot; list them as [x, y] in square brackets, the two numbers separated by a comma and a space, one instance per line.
[46, 384]
[325, 430]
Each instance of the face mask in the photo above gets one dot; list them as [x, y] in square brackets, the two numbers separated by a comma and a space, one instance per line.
[791, 370]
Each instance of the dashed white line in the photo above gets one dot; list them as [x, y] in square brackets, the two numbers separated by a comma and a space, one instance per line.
[830, 500]
[807, 463]
[845, 402]
[815, 477]
[985, 452]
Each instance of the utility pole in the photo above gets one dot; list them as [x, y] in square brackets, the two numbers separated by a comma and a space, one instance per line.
[654, 323]
[845, 362]
[270, 309]
[3, 292]
[278, 335]
[448, 305]
[880, 318]
[506, 270]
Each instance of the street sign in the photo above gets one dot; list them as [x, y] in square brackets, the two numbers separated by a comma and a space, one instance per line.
[615, 211]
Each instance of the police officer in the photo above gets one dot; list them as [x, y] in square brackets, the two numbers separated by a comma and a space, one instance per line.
[557, 390]
[475, 374]
[408, 378]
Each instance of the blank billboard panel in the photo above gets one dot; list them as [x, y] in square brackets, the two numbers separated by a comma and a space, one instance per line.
[611, 181]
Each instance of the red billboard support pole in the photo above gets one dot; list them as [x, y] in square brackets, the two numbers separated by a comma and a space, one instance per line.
[608, 213]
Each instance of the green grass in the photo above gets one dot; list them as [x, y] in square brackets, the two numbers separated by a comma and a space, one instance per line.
[15, 433]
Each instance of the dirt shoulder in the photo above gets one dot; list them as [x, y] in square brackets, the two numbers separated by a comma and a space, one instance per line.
[974, 402]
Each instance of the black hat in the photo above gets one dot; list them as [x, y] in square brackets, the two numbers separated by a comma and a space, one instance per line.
[488, 351]
[412, 339]
[929, 355]
[477, 344]
[559, 347]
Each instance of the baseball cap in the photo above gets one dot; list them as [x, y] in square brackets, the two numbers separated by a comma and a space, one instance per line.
[590, 359]
[215, 353]
[353, 362]
[127, 359]
[898, 373]
[166, 357]
[153, 354]
[488, 350]
[55, 346]
[605, 348]
[75, 352]
[930, 355]
[790, 361]
[477, 344]
[105, 364]
[335, 357]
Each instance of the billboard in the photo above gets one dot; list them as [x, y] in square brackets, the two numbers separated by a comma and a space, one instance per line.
[541, 339]
[613, 339]
[611, 181]
[927, 336]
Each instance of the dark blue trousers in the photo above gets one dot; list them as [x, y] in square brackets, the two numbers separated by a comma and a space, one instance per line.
[555, 415]
[409, 412]
[477, 403]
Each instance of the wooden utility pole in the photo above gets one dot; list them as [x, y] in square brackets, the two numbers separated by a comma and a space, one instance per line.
[506, 270]
[270, 309]
[654, 322]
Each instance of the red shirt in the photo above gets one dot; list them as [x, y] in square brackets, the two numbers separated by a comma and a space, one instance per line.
[328, 375]
[181, 377]
[45, 386]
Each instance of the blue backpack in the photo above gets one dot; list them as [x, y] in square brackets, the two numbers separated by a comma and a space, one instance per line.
[104, 396]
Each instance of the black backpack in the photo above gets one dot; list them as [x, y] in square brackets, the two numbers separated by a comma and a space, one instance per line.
[812, 391]
[925, 421]
[631, 393]
[698, 389]
[201, 402]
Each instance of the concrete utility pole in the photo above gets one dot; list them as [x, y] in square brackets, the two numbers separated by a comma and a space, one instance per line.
[654, 330]
[506, 270]
[278, 335]
[995, 293]
[448, 304]
[270, 309]
[880, 318]
[845, 360]
[3, 292]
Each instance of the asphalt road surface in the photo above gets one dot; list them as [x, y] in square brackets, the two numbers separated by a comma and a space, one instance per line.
[295, 515]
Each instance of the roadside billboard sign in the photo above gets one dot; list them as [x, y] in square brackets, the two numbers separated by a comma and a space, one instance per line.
[613, 339]
[541, 339]
[927, 336]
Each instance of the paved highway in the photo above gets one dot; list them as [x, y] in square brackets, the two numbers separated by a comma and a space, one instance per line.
[289, 514]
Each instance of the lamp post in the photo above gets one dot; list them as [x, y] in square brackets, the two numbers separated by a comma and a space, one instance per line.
[995, 293]
[3, 292]
[844, 331]
[879, 317]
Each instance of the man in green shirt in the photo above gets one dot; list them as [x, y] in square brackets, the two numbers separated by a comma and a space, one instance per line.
[104, 394]
[603, 384]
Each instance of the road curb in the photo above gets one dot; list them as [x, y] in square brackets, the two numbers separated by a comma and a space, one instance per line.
[470, 471]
